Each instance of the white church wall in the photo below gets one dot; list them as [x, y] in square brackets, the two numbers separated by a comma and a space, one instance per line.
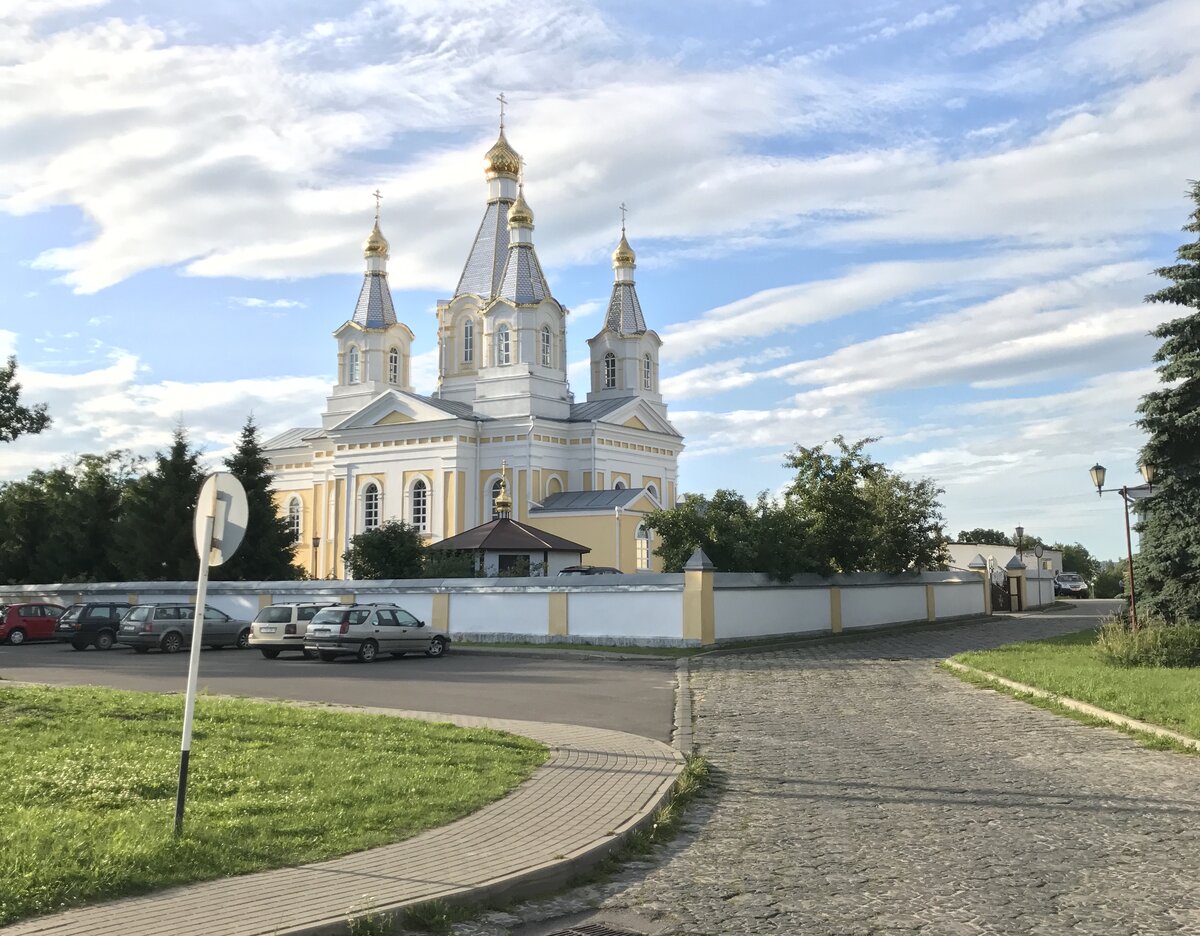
[871, 606]
[955, 600]
[656, 614]
[763, 611]
[498, 612]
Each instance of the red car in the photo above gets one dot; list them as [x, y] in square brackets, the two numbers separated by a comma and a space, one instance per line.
[22, 622]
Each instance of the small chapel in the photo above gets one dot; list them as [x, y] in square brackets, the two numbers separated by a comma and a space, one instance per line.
[503, 421]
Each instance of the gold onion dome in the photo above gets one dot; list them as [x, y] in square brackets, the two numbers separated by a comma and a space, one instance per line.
[376, 244]
[501, 159]
[520, 213]
[503, 501]
[624, 256]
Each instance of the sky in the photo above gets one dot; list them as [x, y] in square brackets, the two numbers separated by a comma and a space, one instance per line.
[929, 223]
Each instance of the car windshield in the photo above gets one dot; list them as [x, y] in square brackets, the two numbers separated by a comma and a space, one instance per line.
[140, 613]
[276, 614]
[1069, 577]
[329, 616]
[72, 612]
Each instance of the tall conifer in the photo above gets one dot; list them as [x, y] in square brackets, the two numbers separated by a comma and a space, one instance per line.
[1168, 573]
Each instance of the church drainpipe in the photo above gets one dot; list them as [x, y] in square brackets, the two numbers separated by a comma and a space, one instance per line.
[595, 486]
[528, 492]
[476, 507]
[617, 534]
[349, 515]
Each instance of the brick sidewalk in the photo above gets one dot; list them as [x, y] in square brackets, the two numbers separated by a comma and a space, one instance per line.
[595, 785]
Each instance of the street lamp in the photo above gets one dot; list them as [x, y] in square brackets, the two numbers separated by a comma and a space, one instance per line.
[316, 544]
[1098, 473]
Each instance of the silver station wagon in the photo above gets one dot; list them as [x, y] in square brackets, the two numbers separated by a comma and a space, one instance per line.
[169, 628]
[365, 631]
[280, 627]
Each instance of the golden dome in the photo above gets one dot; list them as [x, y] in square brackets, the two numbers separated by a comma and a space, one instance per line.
[376, 244]
[503, 502]
[501, 160]
[624, 256]
[520, 213]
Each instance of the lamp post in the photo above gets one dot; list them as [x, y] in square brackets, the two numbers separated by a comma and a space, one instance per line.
[1098, 472]
[316, 544]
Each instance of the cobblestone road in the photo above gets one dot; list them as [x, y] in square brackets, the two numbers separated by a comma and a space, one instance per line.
[864, 791]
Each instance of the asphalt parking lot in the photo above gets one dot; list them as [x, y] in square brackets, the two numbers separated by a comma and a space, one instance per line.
[629, 695]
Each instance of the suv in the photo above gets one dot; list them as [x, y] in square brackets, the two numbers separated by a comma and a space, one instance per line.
[95, 624]
[169, 627]
[366, 631]
[589, 570]
[1070, 584]
[22, 622]
[280, 627]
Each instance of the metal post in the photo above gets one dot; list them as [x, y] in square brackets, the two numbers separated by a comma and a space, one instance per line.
[1129, 546]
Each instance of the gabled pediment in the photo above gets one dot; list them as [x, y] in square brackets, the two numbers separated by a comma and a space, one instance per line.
[638, 414]
[634, 423]
[393, 408]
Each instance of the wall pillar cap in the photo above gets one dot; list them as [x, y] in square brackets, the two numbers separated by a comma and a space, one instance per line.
[1015, 564]
[978, 562]
[699, 562]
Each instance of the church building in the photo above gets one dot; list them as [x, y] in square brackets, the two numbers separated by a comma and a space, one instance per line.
[585, 471]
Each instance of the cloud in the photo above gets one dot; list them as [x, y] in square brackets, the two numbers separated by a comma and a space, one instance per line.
[251, 302]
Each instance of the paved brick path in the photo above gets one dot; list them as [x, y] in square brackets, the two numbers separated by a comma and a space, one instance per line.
[596, 783]
[867, 792]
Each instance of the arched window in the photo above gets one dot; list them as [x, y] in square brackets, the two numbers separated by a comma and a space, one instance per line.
[644, 542]
[370, 504]
[352, 369]
[468, 341]
[546, 345]
[652, 491]
[293, 518]
[394, 366]
[497, 487]
[553, 486]
[503, 346]
[610, 371]
[647, 373]
[420, 505]
[619, 486]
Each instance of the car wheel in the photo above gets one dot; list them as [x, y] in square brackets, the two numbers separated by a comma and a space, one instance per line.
[141, 649]
[172, 643]
[243, 640]
[104, 640]
[76, 645]
[328, 656]
[16, 637]
[368, 650]
[437, 647]
[269, 654]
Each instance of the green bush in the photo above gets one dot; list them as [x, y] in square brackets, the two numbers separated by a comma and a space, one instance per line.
[1155, 643]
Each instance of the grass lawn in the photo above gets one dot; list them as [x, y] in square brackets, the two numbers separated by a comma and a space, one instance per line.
[89, 777]
[1069, 666]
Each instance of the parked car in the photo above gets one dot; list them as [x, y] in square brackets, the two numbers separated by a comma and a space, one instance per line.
[280, 627]
[365, 631]
[1070, 584]
[589, 570]
[22, 622]
[169, 628]
[94, 624]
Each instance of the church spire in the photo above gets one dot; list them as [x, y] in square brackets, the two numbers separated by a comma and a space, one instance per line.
[523, 282]
[374, 308]
[624, 310]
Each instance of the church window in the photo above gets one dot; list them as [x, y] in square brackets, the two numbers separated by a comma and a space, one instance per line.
[610, 371]
[546, 345]
[352, 369]
[619, 486]
[497, 487]
[553, 486]
[652, 491]
[468, 341]
[420, 505]
[293, 517]
[643, 547]
[370, 502]
[647, 373]
[394, 366]
[503, 346]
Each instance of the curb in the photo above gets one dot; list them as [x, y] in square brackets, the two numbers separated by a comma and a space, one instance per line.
[560, 653]
[1084, 708]
[681, 737]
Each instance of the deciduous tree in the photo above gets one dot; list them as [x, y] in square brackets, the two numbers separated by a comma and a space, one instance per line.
[15, 418]
[393, 550]
[1168, 571]
[984, 535]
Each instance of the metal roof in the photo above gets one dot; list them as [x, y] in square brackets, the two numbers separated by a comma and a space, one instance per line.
[624, 311]
[597, 409]
[588, 500]
[507, 533]
[523, 283]
[489, 253]
[374, 308]
[453, 407]
[291, 438]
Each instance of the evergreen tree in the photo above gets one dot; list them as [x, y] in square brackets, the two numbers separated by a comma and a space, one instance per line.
[1168, 572]
[155, 535]
[16, 419]
[268, 551]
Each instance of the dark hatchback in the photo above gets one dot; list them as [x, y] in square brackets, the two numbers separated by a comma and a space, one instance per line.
[91, 625]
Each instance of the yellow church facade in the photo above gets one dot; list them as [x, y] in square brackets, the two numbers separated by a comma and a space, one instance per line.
[588, 471]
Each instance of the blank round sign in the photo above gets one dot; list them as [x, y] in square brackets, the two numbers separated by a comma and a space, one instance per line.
[229, 512]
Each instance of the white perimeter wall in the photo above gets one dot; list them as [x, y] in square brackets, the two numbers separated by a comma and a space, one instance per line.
[657, 614]
[884, 604]
[958, 600]
[743, 613]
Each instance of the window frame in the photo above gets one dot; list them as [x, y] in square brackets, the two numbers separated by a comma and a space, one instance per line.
[353, 365]
[610, 370]
[547, 345]
[295, 518]
[371, 498]
[421, 523]
[503, 345]
[644, 539]
[393, 365]
[468, 346]
[647, 372]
